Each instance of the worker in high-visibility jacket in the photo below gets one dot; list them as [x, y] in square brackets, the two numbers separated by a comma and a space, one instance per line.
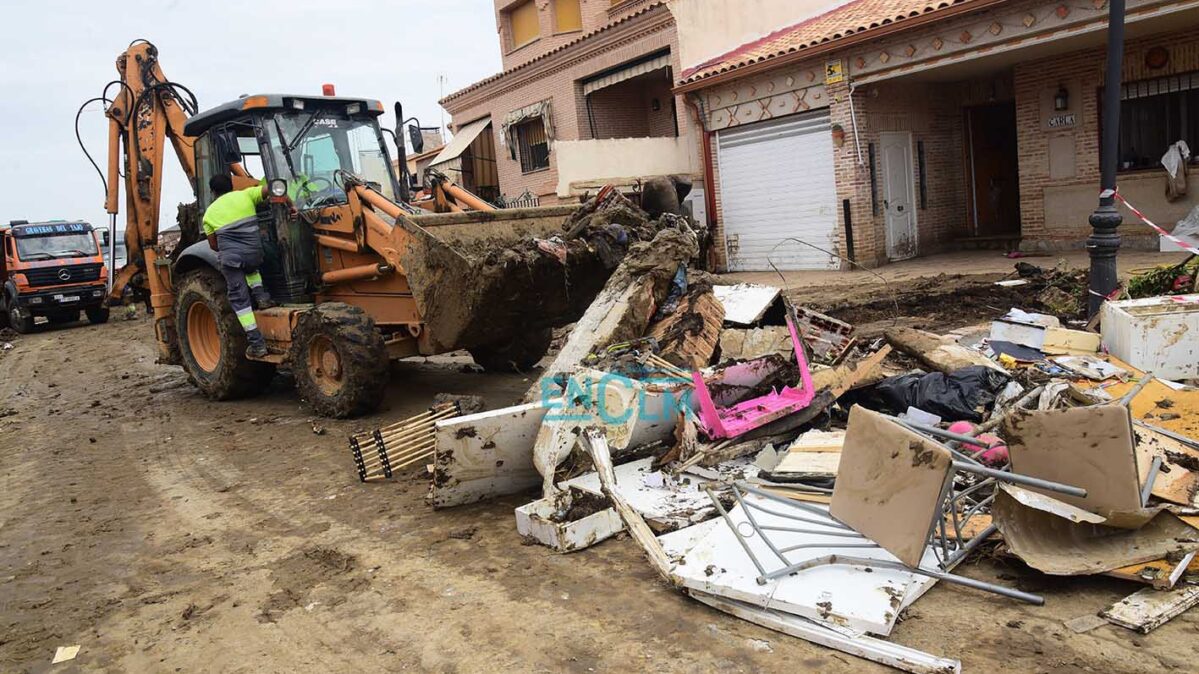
[231, 225]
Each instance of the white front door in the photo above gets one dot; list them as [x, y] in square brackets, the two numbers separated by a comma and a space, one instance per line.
[897, 195]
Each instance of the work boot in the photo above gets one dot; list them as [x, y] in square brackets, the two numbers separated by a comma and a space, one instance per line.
[262, 300]
[257, 346]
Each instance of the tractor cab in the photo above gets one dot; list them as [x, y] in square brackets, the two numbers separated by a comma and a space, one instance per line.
[308, 148]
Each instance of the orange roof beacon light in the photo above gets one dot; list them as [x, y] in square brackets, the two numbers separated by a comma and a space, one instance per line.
[328, 89]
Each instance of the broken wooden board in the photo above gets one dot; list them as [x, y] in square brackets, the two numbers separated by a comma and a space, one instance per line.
[1177, 481]
[1088, 447]
[745, 303]
[1160, 405]
[869, 648]
[935, 352]
[688, 336]
[848, 376]
[1060, 546]
[597, 447]
[889, 483]
[1148, 609]
[616, 315]
[818, 441]
[1161, 574]
[1063, 341]
[808, 465]
[747, 344]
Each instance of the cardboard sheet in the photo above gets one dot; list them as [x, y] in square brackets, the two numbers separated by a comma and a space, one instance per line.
[1058, 546]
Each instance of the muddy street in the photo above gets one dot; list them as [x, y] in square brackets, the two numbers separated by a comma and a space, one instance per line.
[161, 531]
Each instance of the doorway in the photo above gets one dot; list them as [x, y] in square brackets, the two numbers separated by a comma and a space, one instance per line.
[993, 170]
[898, 189]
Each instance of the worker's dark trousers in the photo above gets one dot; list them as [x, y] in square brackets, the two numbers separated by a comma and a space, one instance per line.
[239, 283]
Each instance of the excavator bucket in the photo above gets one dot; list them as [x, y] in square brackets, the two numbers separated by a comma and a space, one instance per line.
[486, 277]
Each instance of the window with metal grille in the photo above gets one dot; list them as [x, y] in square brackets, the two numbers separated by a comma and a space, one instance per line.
[532, 146]
[1155, 114]
[524, 24]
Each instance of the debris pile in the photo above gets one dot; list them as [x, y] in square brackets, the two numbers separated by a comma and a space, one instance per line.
[774, 464]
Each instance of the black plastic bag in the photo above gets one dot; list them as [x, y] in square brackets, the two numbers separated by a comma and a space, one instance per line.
[963, 395]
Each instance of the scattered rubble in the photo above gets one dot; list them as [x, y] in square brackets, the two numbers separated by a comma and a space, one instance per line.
[778, 464]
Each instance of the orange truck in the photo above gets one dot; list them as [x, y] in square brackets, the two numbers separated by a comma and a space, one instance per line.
[51, 269]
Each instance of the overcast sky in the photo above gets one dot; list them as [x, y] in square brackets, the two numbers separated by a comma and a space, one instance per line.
[58, 54]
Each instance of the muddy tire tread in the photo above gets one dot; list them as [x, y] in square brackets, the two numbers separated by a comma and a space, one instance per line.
[242, 377]
[363, 354]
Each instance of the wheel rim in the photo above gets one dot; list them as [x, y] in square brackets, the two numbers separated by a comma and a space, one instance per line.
[324, 364]
[203, 338]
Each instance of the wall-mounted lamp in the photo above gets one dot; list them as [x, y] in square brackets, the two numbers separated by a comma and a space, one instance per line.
[1061, 100]
[655, 105]
[838, 135]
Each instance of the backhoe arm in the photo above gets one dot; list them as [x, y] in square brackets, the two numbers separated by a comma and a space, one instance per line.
[148, 111]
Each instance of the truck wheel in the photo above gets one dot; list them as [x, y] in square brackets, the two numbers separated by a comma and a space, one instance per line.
[212, 342]
[62, 318]
[339, 361]
[97, 315]
[20, 319]
[519, 354]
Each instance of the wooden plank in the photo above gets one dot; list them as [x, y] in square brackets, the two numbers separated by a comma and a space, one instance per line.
[936, 352]
[1174, 481]
[1059, 341]
[688, 337]
[846, 377]
[1147, 609]
[1161, 574]
[809, 464]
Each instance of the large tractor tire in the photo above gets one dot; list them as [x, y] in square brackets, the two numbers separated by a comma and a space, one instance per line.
[19, 319]
[519, 354]
[212, 343]
[339, 361]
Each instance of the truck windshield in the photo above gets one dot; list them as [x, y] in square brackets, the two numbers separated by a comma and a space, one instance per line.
[311, 148]
[56, 246]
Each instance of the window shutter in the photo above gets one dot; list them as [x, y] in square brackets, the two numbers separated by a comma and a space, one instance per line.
[525, 26]
[567, 16]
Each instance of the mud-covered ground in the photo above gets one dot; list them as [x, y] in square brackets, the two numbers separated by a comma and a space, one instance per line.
[162, 532]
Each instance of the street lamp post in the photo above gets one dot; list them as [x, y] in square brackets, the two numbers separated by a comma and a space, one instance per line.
[1104, 241]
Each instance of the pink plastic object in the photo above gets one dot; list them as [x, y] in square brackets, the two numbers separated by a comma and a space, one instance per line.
[994, 456]
[731, 422]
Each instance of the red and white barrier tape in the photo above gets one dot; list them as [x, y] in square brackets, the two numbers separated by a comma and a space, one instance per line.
[1170, 237]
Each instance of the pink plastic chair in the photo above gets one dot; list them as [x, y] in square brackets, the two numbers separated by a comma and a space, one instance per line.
[731, 422]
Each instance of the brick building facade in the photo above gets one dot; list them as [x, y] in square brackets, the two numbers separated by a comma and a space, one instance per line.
[964, 123]
[608, 77]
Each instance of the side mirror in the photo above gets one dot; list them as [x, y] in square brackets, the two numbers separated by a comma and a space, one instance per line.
[415, 139]
[104, 238]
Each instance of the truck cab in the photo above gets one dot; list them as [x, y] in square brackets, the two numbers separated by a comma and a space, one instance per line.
[51, 269]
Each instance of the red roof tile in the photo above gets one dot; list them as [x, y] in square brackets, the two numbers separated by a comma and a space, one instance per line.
[500, 75]
[852, 18]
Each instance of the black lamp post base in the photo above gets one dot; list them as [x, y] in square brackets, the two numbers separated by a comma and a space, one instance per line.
[1102, 246]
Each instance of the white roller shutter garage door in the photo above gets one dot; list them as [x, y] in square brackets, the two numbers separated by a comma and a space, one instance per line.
[777, 183]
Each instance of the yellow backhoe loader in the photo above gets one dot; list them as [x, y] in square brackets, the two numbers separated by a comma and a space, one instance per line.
[361, 275]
